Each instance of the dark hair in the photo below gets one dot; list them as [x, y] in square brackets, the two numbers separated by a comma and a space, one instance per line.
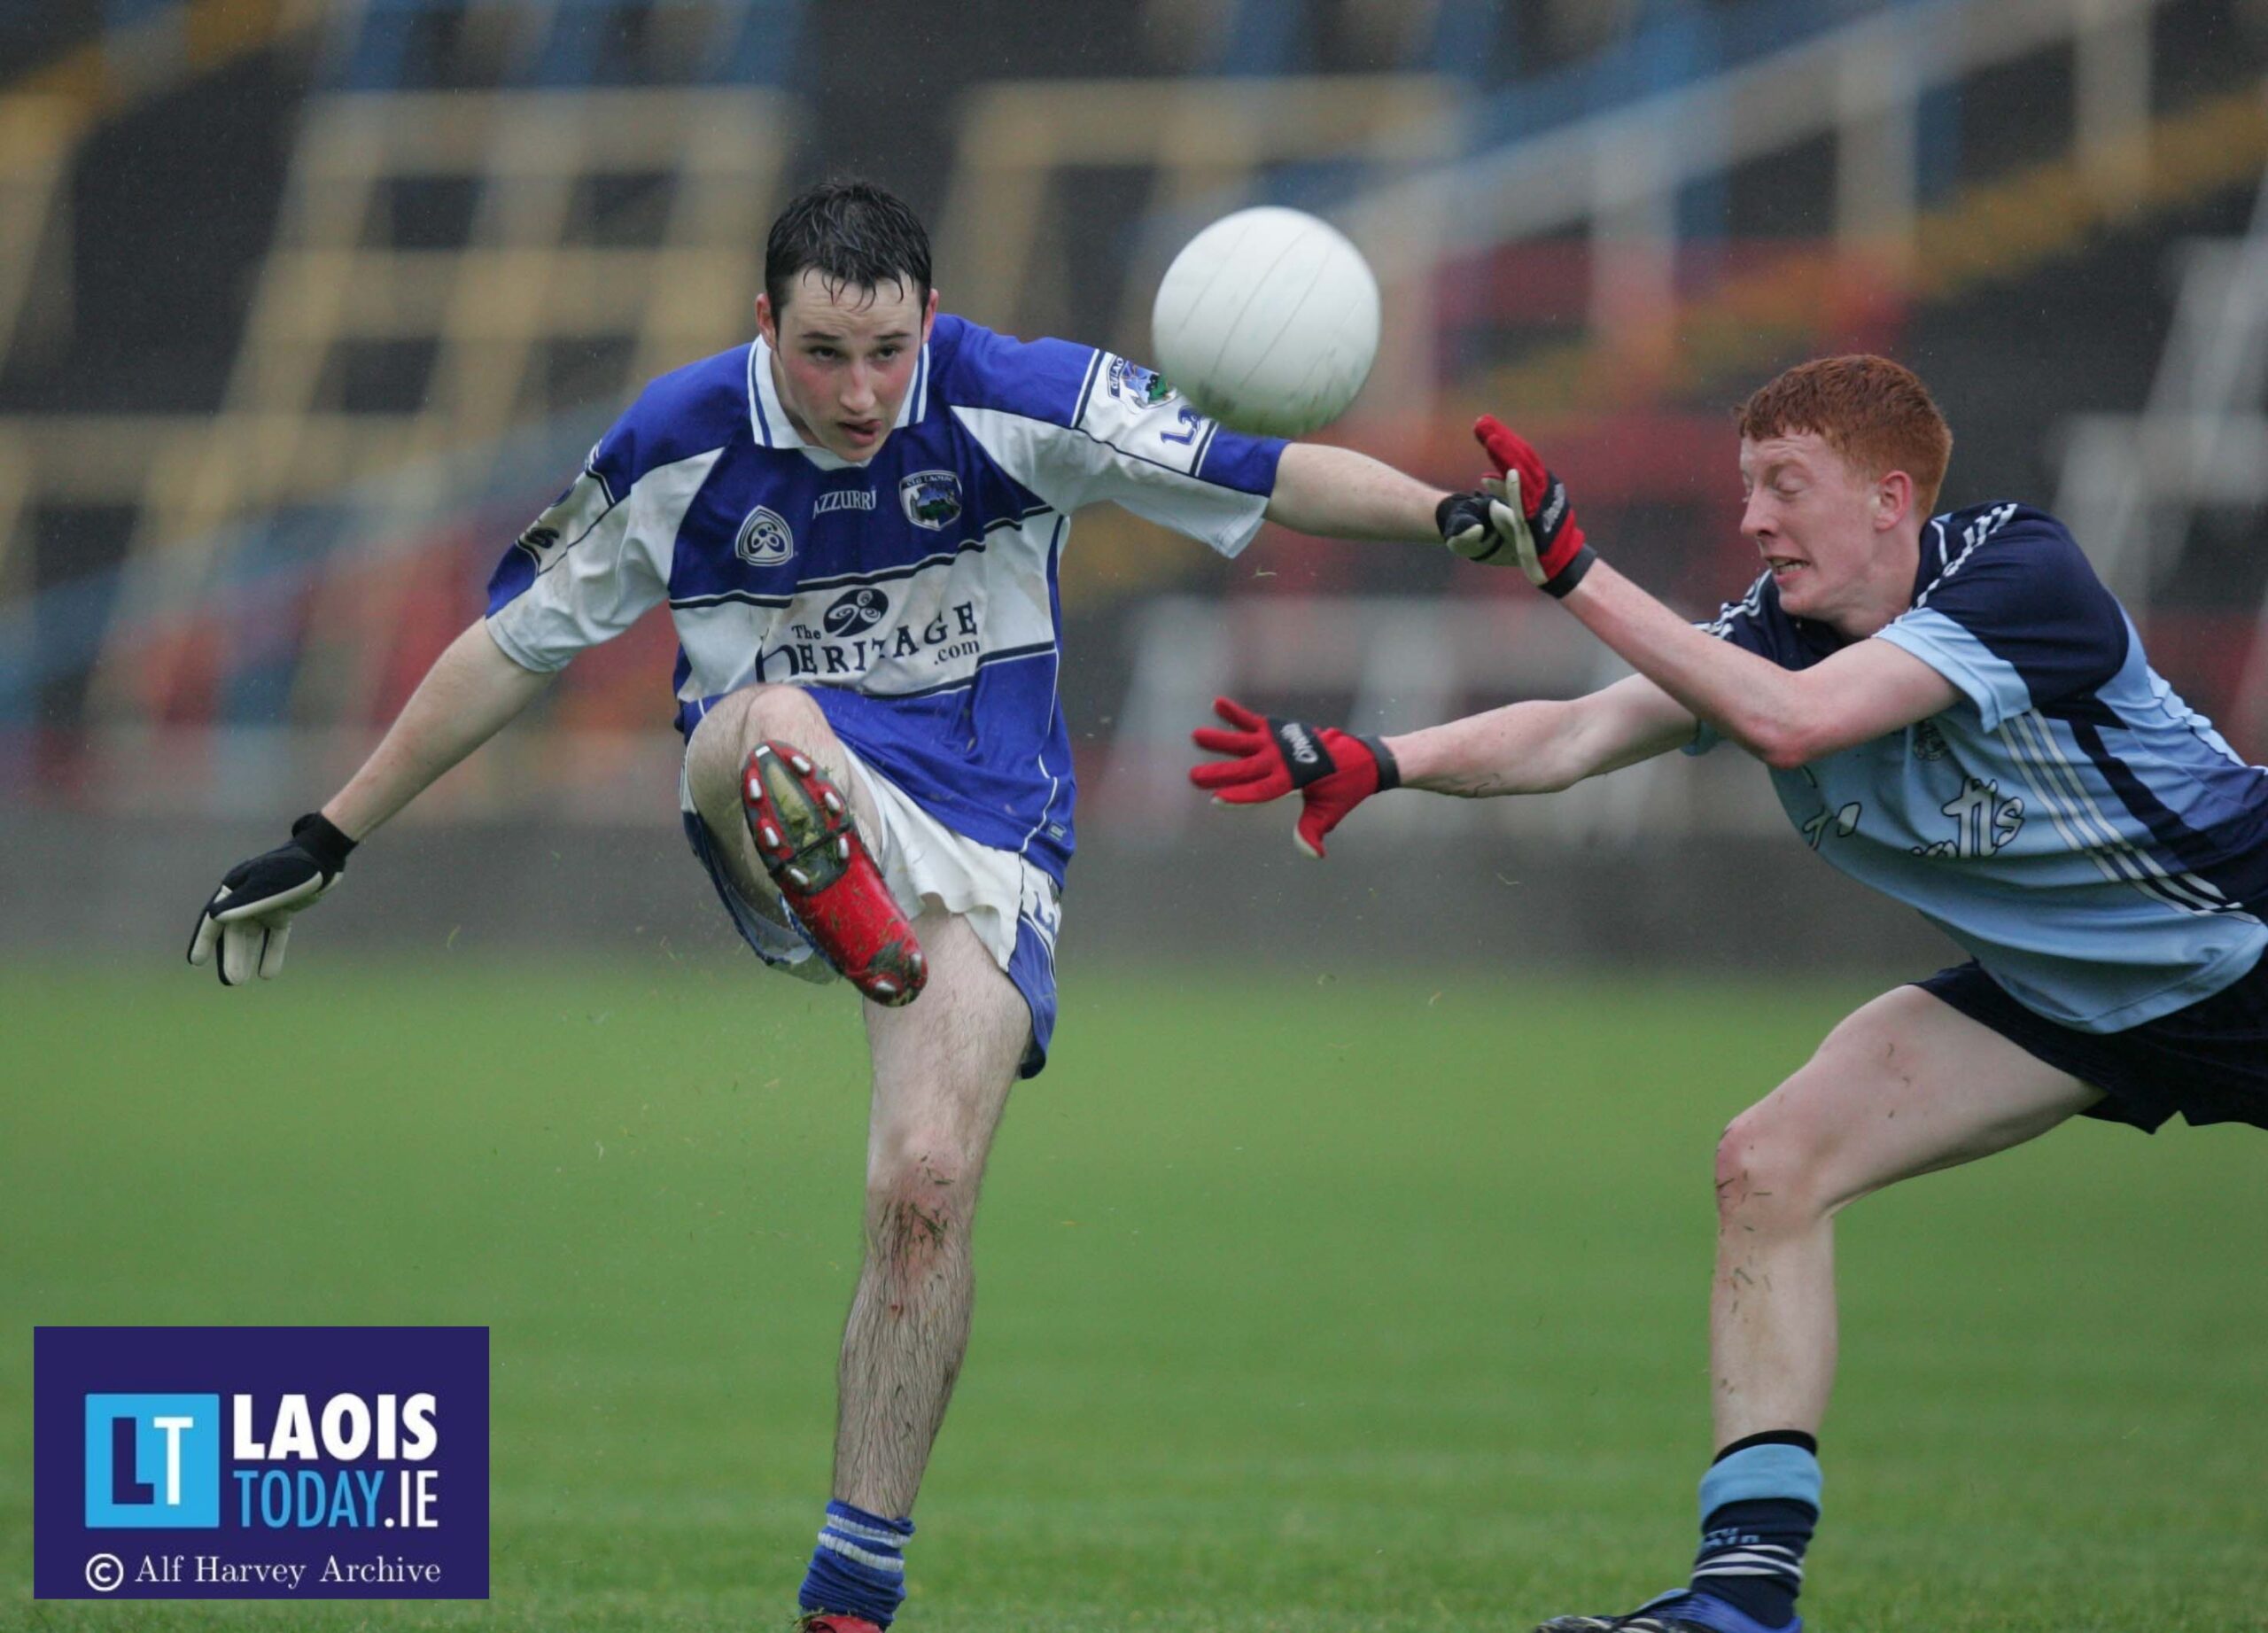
[856, 235]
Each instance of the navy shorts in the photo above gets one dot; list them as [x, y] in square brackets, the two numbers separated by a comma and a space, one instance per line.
[2209, 1061]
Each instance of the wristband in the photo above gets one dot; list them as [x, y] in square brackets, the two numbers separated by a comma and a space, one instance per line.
[1571, 574]
[320, 837]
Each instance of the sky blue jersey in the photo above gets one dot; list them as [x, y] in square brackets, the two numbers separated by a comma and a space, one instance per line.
[914, 593]
[2089, 838]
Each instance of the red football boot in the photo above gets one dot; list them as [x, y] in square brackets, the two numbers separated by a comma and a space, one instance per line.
[810, 843]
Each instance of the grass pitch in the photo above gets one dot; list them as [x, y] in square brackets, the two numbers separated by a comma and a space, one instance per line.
[1314, 1304]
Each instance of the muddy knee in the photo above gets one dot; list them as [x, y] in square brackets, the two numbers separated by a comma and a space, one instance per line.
[921, 1199]
[1768, 1165]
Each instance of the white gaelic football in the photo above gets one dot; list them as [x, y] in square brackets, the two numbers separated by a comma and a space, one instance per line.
[1267, 321]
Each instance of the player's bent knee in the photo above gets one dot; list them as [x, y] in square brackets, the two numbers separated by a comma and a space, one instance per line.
[783, 713]
[1769, 1164]
[713, 756]
[739, 720]
[734, 725]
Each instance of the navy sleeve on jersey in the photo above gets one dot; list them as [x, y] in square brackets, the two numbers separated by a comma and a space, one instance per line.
[2015, 616]
[1754, 624]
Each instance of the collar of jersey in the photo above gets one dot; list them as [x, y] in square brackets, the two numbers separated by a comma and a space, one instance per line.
[769, 424]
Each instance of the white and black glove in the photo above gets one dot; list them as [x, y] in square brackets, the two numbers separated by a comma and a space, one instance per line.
[1481, 526]
[250, 916]
[1522, 506]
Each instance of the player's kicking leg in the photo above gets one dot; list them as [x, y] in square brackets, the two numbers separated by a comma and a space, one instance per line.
[1906, 1085]
[942, 1068]
[770, 781]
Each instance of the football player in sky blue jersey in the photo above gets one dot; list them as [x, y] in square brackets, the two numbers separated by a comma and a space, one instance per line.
[1956, 711]
[856, 522]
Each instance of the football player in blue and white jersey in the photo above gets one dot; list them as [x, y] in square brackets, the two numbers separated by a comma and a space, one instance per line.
[856, 521]
[1957, 713]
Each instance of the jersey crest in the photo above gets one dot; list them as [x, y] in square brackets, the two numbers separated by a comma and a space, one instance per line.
[1133, 383]
[931, 498]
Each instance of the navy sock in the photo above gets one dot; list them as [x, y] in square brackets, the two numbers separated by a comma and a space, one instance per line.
[858, 1569]
[1759, 1502]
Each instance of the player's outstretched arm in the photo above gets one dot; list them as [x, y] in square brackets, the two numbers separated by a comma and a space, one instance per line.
[470, 693]
[1785, 717]
[1526, 748]
[1337, 494]
[1544, 746]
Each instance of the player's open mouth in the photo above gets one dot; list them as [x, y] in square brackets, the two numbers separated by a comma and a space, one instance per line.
[862, 430]
[1784, 566]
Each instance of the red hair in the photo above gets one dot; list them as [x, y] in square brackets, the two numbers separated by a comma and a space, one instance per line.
[1874, 413]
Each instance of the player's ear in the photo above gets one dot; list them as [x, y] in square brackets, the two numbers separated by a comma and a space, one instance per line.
[1893, 499]
[929, 317]
[767, 320]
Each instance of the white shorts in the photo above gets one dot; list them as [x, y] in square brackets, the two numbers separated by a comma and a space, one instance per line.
[1011, 905]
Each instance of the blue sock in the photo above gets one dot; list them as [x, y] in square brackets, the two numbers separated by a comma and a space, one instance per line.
[858, 1569]
[1759, 1501]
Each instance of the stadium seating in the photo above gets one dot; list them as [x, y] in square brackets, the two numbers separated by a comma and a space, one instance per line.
[491, 220]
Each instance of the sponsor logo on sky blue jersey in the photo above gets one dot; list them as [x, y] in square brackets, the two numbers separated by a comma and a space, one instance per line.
[1984, 821]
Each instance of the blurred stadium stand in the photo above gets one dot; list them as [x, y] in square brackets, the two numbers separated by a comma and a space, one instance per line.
[305, 307]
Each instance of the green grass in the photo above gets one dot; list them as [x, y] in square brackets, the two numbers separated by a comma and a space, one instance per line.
[1357, 1303]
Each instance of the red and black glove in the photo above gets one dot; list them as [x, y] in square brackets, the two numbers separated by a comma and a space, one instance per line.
[1523, 507]
[1330, 770]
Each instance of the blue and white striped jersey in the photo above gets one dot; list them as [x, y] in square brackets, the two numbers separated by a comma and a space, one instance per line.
[914, 593]
[2091, 840]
